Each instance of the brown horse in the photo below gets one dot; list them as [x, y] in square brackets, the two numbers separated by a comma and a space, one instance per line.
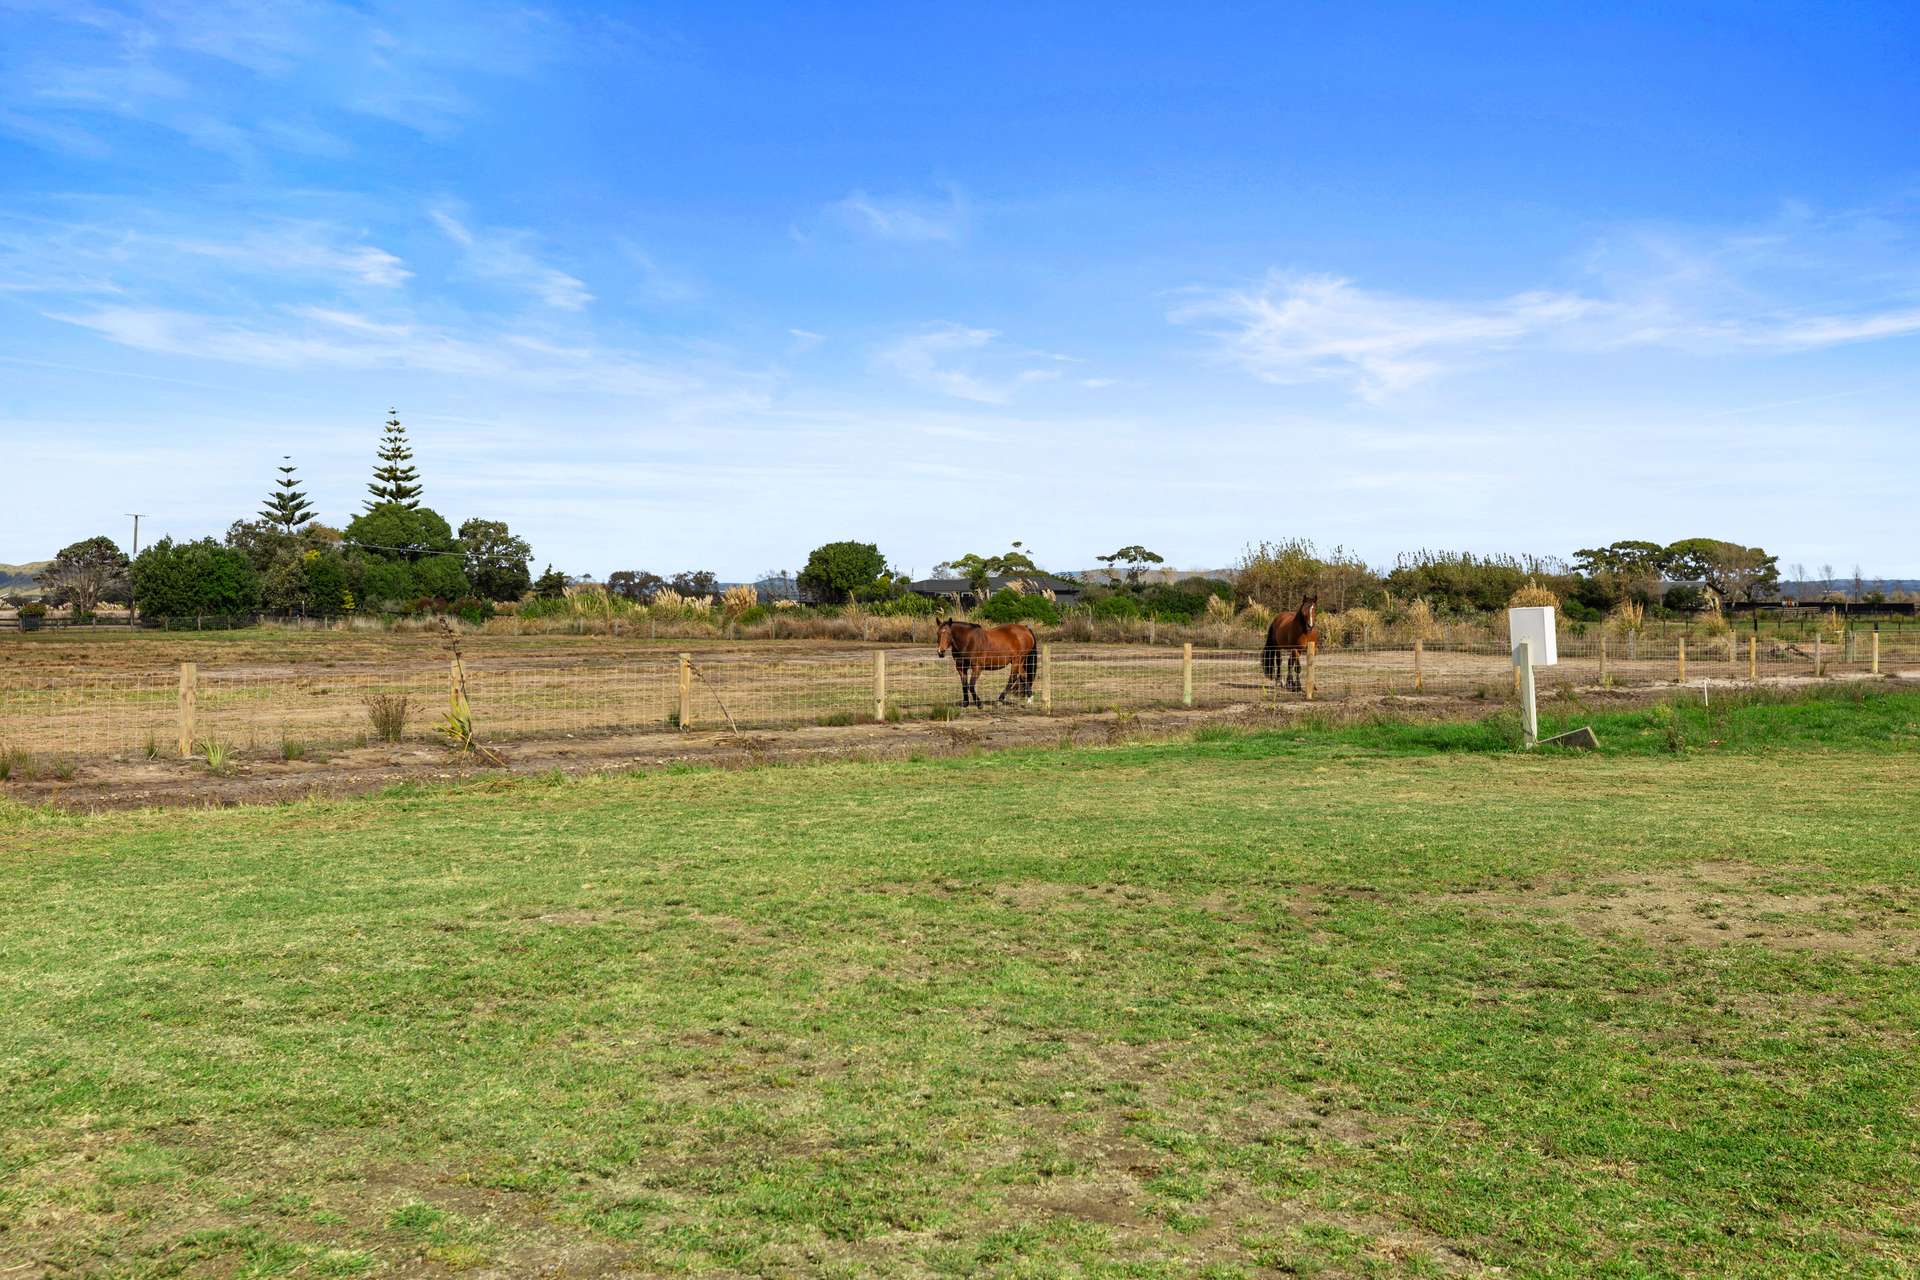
[977, 648]
[1287, 636]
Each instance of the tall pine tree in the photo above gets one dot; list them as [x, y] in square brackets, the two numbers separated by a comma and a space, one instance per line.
[287, 507]
[395, 479]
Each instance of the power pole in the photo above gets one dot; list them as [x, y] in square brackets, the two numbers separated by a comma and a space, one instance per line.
[133, 610]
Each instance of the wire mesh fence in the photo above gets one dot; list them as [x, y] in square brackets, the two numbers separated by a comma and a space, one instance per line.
[261, 707]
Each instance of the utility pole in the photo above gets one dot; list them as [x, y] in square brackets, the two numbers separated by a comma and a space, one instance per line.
[133, 610]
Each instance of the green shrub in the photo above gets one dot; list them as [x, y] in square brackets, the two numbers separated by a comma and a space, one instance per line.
[752, 616]
[1114, 607]
[441, 577]
[904, 605]
[1006, 605]
[473, 609]
[383, 582]
[192, 579]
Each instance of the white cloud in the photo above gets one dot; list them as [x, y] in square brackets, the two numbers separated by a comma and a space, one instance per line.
[1774, 290]
[72, 256]
[503, 256]
[968, 364]
[411, 64]
[309, 337]
[905, 218]
[1294, 329]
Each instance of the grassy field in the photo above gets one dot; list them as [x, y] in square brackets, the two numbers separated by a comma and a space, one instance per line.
[1374, 1000]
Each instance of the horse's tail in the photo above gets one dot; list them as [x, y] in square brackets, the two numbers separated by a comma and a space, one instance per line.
[1272, 660]
[1030, 664]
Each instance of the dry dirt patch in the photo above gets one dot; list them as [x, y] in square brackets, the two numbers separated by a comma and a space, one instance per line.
[1715, 904]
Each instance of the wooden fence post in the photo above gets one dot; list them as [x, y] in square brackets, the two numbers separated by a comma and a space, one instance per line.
[1876, 653]
[1529, 701]
[1680, 659]
[880, 686]
[1313, 649]
[1046, 678]
[686, 691]
[1753, 659]
[189, 698]
[1186, 674]
[1816, 655]
[1419, 667]
[1605, 680]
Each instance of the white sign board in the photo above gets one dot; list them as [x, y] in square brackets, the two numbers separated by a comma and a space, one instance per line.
[1535, 626]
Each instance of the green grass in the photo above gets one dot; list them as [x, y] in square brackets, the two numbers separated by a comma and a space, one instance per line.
[1367, 1000]
[1850, 718]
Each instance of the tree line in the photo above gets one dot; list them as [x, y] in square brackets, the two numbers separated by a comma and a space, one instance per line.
[396, 554]
[399, 555]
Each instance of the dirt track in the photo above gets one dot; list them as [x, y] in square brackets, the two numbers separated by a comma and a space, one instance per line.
[167, 783]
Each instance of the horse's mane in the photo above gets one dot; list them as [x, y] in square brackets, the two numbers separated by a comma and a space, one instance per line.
[955, 622]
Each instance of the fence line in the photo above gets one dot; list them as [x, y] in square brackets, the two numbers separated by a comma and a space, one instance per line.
[255, 709]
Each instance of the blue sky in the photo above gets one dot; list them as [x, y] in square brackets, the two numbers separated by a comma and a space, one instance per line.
[685, 286]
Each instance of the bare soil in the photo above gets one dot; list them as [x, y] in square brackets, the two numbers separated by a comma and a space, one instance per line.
[133, 782]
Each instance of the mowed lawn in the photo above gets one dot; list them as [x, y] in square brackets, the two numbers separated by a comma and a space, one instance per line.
[1323, 1002]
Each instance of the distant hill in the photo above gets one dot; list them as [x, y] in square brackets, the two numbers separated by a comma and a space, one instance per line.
[20, 579]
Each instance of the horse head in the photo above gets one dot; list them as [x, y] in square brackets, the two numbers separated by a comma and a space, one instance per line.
[945, 638]
[1307, 605]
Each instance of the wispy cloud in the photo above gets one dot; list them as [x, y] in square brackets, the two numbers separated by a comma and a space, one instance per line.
[1293, 329]
[910, 219]
[1771, 290]
[155, 63]
[72, 256]
[319, 337]
[969, 364]
[504, 256]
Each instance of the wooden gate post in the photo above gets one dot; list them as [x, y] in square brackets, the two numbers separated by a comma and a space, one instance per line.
[1680, 658]
[189, 698]
[1313, 649]
[1186, 674]
[1419, 668]
[1876, 653]
[1753, 659]
[1046, 678]
[880, 686]
[686, 691]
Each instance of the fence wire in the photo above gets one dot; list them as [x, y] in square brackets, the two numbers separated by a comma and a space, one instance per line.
[261, 708]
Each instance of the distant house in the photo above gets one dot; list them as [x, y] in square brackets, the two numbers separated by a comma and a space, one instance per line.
[1065, 590]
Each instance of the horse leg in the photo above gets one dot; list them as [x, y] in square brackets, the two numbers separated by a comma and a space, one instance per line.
[971, 688]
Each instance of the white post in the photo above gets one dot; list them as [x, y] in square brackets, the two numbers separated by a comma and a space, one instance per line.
[1529, 711]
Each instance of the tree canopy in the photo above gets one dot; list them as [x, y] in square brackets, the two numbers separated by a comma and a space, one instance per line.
[287, 507]
[496, 561]
[85, 573]
[840, 570]
[1136, 558]
[395, 480]
[186, 579]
